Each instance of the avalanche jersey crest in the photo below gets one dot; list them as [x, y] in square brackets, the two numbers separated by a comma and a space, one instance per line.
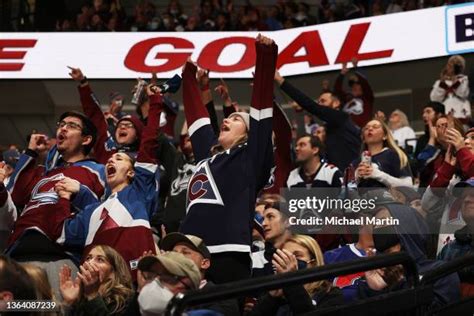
[354, 107]
[202, 188]
[44, 193]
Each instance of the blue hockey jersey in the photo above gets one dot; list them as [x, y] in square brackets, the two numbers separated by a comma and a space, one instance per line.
[222, 191]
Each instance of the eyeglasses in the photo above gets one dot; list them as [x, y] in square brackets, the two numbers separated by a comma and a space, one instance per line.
[68, 125]
[445, 125]
[125, 125]
[173, 280]
[374, 126]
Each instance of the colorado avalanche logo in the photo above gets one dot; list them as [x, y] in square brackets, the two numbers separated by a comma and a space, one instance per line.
[354, 107]
[202, 188]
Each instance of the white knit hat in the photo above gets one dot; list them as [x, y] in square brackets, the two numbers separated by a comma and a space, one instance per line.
[245, 116]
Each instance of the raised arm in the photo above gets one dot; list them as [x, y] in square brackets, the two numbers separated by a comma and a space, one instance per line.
[283, 163]
[91, 108]
[261, 110]
[26, 174]
[330, 116]
[199, 124]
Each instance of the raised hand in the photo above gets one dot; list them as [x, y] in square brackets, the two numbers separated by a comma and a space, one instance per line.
[344, 69]
[380, 116]
[76, 74]
[38, 143]
[284, 261]
[264, 40]
[69, 288]
[278, 78]
[355, 61]
[90, 279]
[454, 138]
[202, 77]
[152, 89]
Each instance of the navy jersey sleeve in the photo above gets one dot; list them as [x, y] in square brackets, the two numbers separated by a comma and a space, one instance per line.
[199, 123]
[331, 116]
[261, 111]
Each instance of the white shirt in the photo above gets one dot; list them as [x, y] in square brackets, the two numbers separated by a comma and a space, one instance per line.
[402, 134]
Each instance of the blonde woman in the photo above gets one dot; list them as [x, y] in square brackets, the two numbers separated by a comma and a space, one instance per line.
[388, 164]
[298, 252]
[401, 130]
[102, 287]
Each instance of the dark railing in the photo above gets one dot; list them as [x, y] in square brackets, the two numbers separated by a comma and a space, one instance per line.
[447, 269]
[241, 288]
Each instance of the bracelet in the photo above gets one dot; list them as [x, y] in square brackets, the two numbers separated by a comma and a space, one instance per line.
[84, 80]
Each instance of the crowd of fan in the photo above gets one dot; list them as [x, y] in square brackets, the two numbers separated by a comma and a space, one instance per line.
[114, 214]
[205, 15]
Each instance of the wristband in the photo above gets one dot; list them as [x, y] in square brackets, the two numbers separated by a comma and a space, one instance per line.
[83, 81]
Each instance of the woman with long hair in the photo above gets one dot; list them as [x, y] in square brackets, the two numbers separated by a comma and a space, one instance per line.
[102, 287]
[231, 169]
[298, 252]
[382, 163]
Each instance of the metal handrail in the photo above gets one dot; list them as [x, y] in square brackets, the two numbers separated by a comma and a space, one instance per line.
[235, 289]
[448, 268]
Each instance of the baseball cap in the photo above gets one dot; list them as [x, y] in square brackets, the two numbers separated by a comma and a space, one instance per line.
[11, 157]
[196, 243]
[245, 116]
[175, 264]
[460, 186]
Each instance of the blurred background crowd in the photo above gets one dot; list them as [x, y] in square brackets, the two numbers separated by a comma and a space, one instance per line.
[192, 15]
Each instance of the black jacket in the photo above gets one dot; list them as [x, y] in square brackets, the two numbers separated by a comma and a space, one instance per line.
[343, 137]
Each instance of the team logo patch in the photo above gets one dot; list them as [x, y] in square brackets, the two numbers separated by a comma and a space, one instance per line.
[354, 107]
[202, 188]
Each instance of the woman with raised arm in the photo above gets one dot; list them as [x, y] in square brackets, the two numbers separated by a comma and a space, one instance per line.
[231, 169]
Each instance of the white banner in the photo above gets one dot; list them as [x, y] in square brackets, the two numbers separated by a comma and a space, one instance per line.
[377, 40]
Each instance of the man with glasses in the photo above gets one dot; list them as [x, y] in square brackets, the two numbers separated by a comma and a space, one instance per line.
[32, 189]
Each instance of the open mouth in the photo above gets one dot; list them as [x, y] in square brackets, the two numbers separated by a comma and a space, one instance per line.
[61, 138]
[122, 134]
[111, 170]
[225, 128]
